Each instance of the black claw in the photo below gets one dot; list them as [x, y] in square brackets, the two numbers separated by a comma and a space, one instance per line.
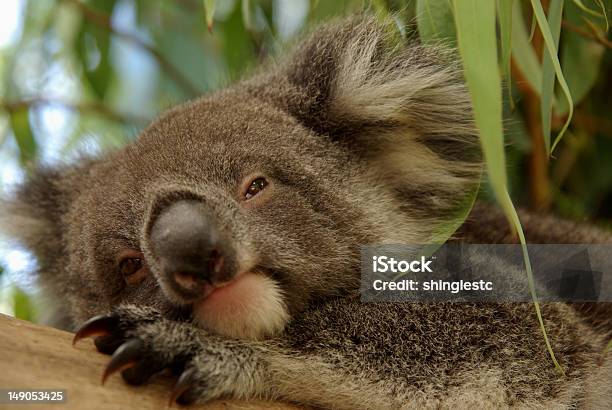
[180, 392]
[126, 356]
[96, 326]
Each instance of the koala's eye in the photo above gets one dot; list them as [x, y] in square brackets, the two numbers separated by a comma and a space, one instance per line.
[132, 267]
[256, 186]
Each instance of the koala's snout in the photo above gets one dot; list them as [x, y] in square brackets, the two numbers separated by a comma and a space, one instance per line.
[190, 254]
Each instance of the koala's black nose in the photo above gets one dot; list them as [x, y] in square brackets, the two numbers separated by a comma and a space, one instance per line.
[187, 247]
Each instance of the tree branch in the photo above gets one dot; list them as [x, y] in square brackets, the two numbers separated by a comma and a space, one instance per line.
[88, 107]
[594, 35]
[37, 357]
[103, 21]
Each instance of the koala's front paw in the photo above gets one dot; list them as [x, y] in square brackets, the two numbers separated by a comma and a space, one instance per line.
[143, 343]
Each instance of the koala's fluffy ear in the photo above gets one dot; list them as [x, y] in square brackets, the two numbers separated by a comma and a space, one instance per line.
[361, 73]
[32, 216]
[403, 105]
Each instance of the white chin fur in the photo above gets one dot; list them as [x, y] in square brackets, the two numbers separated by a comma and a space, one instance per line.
[251, 307]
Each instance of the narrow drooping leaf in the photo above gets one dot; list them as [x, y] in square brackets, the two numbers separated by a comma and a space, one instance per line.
[522, 51]
[532, 28]
[551, 50]
[475, 21]
[555, 12]
[209, 13]
[435, 21]
[24, 137]
[93, 50]
[478, 48]
[246, 14]
[581, 60]
[380, 7]
[504, 11]
[584, 8]
[602, 6]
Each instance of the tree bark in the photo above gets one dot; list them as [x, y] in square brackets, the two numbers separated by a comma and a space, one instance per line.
[41, 358]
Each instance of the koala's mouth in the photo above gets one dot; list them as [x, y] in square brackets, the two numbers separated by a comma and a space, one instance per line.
[209, 289]
[250, 306]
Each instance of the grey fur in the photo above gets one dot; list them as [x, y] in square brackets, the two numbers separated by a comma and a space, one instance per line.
[364, 141]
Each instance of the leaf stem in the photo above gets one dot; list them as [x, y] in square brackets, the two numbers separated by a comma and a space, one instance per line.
[103, 21]
[89, 107]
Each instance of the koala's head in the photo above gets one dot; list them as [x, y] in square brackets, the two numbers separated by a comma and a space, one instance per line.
[242, 208]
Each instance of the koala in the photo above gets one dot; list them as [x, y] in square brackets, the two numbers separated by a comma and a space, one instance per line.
[224, 243]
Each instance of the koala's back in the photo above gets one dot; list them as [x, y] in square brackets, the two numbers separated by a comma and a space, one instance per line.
[467, 355]
[456, 355]
[487, 224]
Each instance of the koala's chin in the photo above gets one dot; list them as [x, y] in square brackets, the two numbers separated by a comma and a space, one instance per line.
[249, 307]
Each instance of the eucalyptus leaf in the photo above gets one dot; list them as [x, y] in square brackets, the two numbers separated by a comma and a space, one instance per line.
[20, 124]
[584, 8]
[602, 6]
[380, 7]
[435, 21]
[93, 48]
[549, 41]
[475, 22]
[555, 13]
[245, 7]
[522, 51]
[209, 12]
[504, 12]
[478, 49]
[581, 60]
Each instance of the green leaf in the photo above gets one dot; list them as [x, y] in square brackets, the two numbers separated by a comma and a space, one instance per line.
[522, 51]
[22, 305]
[602, 6]
[475, 22]
[435, 21]
[504, 11]
[209, 12]
[581, 60]
[20, 123]
[456, 217]
[584, 8]
[236, 45]
[478, 49]
[381, 8]
[549, 41]
[246, 14]
[93, 49]
[555, 12]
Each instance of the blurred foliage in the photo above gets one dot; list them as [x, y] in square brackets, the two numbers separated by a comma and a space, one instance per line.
[84, 76]
[23, 307]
